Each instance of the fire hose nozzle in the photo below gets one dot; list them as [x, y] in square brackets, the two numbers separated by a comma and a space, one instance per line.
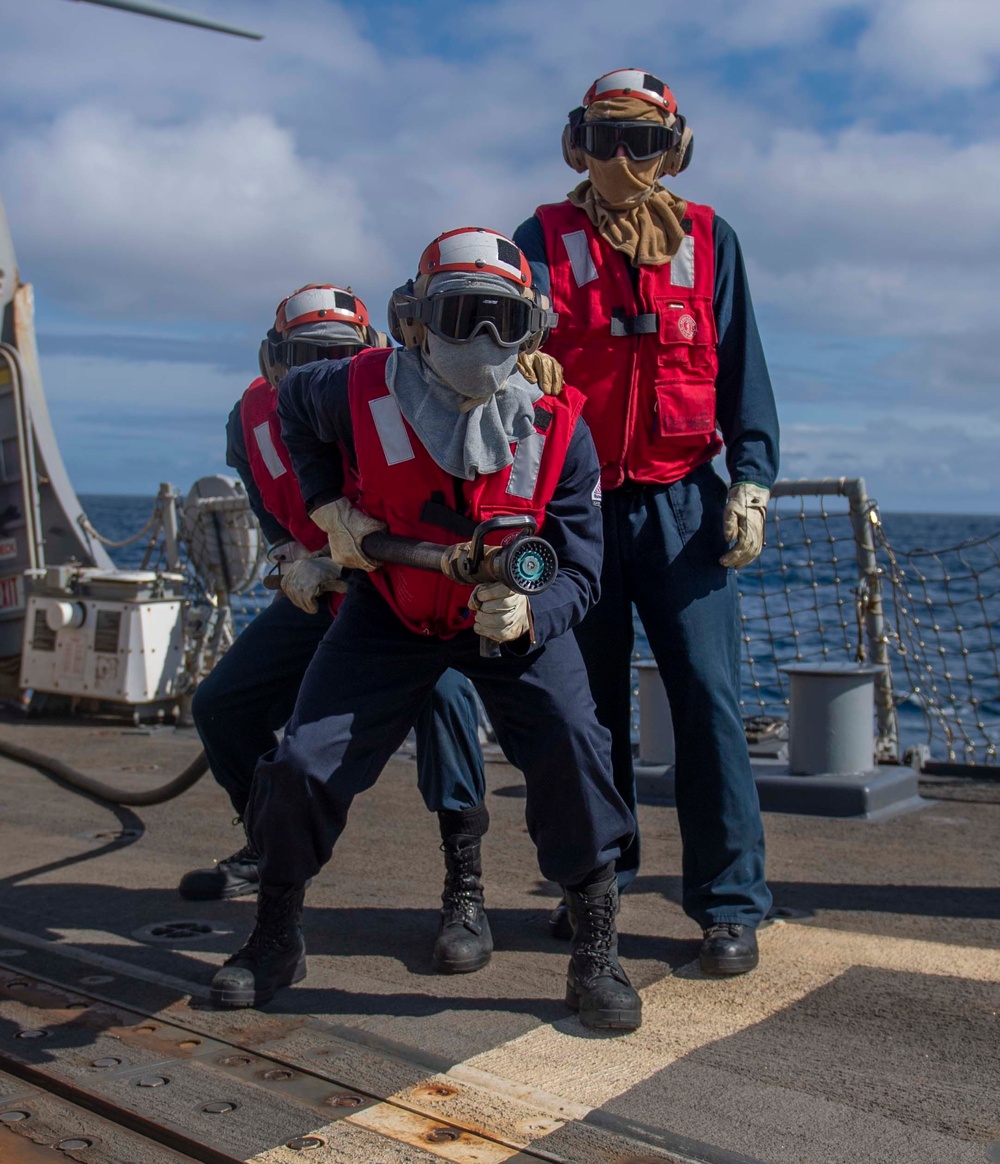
[525, 564]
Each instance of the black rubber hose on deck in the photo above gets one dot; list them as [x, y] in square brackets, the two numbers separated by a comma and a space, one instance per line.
[97, 788]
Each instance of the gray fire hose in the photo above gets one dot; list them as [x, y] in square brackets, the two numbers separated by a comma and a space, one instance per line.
[525, 564]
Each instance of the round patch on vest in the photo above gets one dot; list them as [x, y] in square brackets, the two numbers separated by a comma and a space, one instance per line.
[687, 327]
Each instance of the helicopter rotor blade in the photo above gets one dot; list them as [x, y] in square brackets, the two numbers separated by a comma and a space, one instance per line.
[162, 12]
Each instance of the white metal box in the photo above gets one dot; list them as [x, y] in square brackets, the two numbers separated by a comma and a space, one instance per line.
[110, 635]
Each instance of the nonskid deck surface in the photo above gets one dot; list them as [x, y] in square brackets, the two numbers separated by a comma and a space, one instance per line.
[868, 1033]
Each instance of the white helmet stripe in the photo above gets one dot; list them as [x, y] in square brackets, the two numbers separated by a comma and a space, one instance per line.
[314, 299]
[626, 79]
[470, 246]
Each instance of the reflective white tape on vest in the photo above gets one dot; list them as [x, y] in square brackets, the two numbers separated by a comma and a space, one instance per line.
[527, 462]
[580, 258]
[682, 264]
[262, 435]
[391, 430]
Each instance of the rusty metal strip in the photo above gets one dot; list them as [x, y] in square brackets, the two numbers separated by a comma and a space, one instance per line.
[38, 1128]
[134, 1122]
[471, 1109]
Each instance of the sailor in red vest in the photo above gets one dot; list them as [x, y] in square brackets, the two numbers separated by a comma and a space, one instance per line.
[252, 690]
[438, 437]
[657, 330]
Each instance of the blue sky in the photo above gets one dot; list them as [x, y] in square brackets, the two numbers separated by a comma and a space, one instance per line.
[166, 186]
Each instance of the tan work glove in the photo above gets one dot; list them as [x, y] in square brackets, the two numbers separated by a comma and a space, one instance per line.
[305, 580]
[501, 614]
[743, 523]
[346, 528]
[543, 370]
[289, 551]
[456, 564]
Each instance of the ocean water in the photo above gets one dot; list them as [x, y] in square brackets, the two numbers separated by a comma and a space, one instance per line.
[941, 593]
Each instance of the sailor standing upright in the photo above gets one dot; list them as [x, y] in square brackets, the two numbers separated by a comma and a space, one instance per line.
[443, 435]
[657, 330]
[251, 691]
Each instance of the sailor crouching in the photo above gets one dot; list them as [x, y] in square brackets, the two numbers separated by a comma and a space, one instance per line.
[251, 691]
[448, 420]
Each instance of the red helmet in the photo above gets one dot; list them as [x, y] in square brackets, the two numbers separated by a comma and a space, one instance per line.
[470, 250]
[320, 301]
[320, 305]
[631, 83]
[474, 248]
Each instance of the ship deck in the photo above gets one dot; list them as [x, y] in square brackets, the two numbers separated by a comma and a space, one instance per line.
[869, 1032]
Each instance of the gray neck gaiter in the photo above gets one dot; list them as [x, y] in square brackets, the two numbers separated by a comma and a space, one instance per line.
[467, 403]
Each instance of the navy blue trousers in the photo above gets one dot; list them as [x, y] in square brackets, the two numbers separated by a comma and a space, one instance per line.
[662, 545]
[363, 690]
[251, 692]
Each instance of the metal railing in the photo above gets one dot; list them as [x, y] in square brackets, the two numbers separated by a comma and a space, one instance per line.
[829, 586]
[815, 595]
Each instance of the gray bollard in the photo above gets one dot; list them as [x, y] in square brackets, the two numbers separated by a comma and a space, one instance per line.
[656, 729]
[831, 718]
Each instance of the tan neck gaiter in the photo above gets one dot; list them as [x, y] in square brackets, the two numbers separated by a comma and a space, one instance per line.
[629, 208]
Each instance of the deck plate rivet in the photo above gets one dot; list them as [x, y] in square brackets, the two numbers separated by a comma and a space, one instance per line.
[442, 1136]
[220, 1107]
[32, 1034]
[152, 1081]
[13, 1117]
[74, 1145]
[305, 1143]
[110, 1061]
[345, 1099]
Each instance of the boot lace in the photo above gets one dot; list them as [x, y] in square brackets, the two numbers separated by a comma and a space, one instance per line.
[276, 918]
[595, 951]
[463, 894]
[245, 856]
[724, 930]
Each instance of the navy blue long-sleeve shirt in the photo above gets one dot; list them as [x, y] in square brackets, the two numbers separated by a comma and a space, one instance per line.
[315, 414]
[745, 408]
[236, 458]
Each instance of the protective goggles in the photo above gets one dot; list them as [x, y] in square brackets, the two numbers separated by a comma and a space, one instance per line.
[642, 139]
[296, 352]
[459, 317]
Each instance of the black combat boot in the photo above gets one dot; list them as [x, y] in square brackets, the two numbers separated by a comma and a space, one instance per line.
[464, 942]
[559, 923]
[728, 948]
[596, 985]
[231, 877]
[273, 956]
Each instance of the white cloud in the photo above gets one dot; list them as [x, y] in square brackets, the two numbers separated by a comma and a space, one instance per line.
[862, 232]
[930, 44]
[154, 173]
[124, 425]
[198, 220]
[911, 463]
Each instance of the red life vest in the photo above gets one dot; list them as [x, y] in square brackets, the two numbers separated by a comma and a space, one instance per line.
[646, 363]
[272, 467]
[396, 477]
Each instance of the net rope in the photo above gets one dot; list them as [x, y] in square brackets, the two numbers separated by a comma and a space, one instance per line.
[945, 653]
[805, 601]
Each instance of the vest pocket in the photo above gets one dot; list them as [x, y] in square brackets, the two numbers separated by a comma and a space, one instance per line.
[685, 407]
[686, 339]
[686, 367]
